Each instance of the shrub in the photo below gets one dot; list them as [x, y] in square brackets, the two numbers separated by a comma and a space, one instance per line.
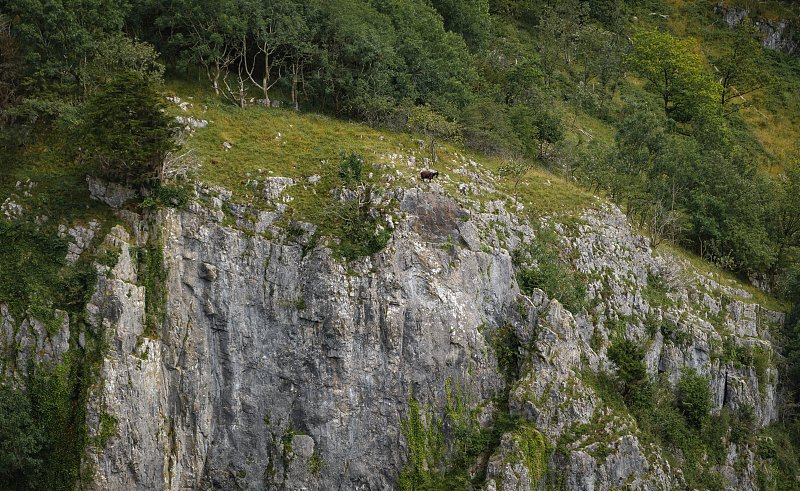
[356, 221]
[743, 424]
[126, 133]
[507, 349]
[694, 397]
[350, 169]
[631, 370]
[656, 291]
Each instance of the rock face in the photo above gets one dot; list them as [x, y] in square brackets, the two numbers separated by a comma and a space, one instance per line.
[114, 195]
[276, 369]
[776, 34]
[277, 366]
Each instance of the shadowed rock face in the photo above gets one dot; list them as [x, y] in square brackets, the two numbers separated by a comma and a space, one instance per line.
[437, 218]
[275, 369]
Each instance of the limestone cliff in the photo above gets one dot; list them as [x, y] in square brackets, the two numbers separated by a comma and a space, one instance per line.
[238, 356]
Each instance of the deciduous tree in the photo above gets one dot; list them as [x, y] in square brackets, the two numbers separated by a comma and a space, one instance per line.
[738, 67]
[675, 72]
[433, 125]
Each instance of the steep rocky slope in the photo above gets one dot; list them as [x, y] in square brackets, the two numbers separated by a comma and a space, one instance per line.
[241, 356]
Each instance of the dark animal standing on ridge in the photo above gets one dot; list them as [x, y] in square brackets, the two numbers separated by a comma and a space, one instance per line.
[428, 175]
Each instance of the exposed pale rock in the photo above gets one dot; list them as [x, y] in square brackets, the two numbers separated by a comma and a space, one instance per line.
[279, 366]
[274, 187]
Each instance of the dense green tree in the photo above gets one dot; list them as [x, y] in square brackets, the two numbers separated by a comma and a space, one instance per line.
[522, 81]
[600, 56]
[738, 66]
[57, 39]
[126, 134]
[9, 68]
[119, 53]
[511, 68]
[640, 136]
[438, 67]
[675, 72]
[560, 27]
[488, 128]
[549, 130]
[300, 53]
[610, 13]
[520, 10]
[525, 123]
[470, 18]
[726, 200]
[207, 33]
[791, 328]
[631, 371]
[358, 63]
[434, 126]
[784, 215]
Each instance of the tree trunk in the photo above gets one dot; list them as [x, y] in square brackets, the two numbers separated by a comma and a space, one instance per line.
[265, 80]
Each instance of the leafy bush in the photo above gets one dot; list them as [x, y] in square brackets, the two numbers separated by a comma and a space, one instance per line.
[743, 425]
[21, 438]
[350, 169]
[355, 221]
[663, 423]
[694, 397]
[174, 195]
[631, 370]
[34, 276]
[778, 444]
[506, 346]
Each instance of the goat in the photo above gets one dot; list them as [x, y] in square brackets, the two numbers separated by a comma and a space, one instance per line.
[428, 175]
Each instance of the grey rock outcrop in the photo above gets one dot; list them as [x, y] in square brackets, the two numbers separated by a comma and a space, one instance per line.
[112, 194]
[29, 339]
[277, 366]
[776, 34]
[282, 353]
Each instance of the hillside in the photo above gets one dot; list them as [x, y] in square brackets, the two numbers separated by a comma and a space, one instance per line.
[212, 287]
[449, 307]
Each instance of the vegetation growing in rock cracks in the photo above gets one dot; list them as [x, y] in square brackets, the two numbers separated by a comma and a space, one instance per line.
[679, 419]
[540, 265]
[358, 224]
[450, 451]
